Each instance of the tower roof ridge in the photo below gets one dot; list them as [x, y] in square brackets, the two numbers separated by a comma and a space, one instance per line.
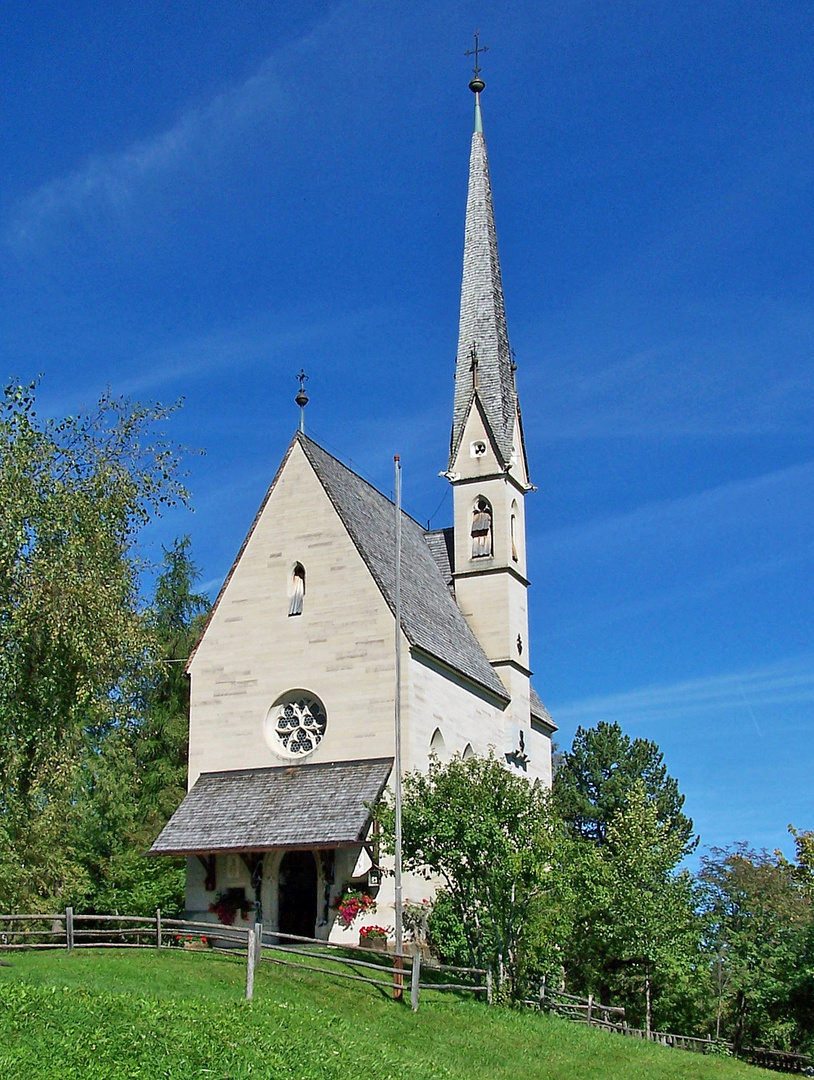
[484, 362]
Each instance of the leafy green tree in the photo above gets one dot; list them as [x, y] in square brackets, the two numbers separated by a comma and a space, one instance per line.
[492, 840]
[137, 778]
[645, 927]
[801, 980]
[760, 935]
[593, 782]
[74, 495]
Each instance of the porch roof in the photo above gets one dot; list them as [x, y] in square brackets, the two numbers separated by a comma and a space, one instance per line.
[289, 806]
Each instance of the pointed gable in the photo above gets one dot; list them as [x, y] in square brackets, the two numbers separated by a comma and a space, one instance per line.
[431, 620]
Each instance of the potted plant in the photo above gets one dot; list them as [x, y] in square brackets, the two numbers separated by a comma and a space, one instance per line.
[373, 937]
[228, 903]
[415, 918]
[190, 943]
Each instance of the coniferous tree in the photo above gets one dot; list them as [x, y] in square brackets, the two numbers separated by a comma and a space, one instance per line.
[137, 777]
[594, 779]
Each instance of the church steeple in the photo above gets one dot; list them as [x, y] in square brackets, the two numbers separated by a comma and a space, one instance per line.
[487, 461]
[484, 369]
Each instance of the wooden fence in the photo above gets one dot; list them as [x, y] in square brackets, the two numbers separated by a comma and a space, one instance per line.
[69, 930]
[612, 1018]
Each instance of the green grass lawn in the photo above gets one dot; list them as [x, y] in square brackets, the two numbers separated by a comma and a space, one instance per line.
[148, 1015]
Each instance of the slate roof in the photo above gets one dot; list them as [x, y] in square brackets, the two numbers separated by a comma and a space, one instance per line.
[540, 712]
[293, 806]
[483, 319]
[431, 619]
[441, 543]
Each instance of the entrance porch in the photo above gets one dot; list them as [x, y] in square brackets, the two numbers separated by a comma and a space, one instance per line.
[276, 845]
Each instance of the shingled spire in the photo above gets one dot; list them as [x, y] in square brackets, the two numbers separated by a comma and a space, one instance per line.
[484, 364]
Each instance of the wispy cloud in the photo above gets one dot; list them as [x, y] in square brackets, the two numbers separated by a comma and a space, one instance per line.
[757, 692]
[729, 379]
[748, 505]
[107, 185]
[675, 552]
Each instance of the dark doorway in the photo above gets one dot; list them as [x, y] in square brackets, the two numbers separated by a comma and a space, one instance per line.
[298, 894]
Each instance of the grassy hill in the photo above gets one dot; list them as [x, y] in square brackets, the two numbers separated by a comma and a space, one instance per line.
[144, 1015]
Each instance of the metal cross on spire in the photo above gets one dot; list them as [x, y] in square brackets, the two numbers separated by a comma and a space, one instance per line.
[476, 53]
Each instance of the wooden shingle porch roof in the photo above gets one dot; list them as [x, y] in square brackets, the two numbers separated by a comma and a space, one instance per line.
[287, 806]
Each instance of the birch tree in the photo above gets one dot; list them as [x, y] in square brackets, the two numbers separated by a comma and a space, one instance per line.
[74, 495]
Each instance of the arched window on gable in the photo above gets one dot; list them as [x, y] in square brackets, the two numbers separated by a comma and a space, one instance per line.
[481, 528]
[468, 752]
[513, 532]
[297, 590]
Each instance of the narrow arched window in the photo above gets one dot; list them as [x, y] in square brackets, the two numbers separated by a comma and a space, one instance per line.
[437, 744]
[481, 528]
[468, 752]
[513, 531]
[297, 590]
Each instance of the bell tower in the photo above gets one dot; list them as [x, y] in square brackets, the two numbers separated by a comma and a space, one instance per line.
[487, 461]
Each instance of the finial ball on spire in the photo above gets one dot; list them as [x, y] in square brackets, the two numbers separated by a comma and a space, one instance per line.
[302, 398]
[476, 85]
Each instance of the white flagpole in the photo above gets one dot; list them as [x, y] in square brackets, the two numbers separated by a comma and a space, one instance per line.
[399, 962]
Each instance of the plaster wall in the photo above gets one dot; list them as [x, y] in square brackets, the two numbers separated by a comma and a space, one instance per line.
[340, 647]
[496, 607]
[436, 700]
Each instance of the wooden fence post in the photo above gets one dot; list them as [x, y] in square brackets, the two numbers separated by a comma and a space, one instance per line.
[415, 978]
[542, 993]
[590, 1006]
[158, 928]
[258, 942]
[489, 986]
[398, 977]
[69, 929]
[251, 961]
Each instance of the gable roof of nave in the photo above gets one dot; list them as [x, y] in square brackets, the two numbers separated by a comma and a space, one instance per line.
[430, 618]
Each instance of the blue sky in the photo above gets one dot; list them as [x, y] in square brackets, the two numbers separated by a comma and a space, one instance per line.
[197, 200]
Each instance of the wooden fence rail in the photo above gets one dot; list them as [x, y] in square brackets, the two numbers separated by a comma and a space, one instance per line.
[357, 963]
[279, 948]
[581, 1010]
[69, 930]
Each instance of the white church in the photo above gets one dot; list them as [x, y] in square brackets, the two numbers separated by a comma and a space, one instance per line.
[291, 735]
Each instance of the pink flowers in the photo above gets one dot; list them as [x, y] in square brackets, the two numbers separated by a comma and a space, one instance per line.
[353, 903]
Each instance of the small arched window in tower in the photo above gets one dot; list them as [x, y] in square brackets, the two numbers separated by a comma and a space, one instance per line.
[481, 528]
[297, 590]
[513, 532]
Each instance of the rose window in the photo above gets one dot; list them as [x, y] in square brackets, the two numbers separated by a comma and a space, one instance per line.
[296, 724]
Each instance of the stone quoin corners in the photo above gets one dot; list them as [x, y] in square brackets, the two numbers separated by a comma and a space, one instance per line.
[291, 735]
